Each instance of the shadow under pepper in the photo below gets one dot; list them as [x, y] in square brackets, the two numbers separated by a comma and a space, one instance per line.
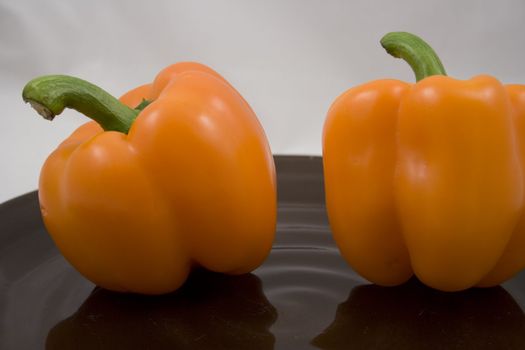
[412, 316]
[211, 311]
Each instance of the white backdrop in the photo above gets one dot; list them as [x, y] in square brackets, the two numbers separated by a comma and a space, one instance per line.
[288, 58]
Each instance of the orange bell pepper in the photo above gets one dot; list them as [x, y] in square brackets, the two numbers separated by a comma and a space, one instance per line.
[427, 178]
[137, 198]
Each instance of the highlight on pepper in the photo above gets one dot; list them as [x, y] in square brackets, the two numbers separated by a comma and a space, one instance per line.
[175, 175]
[426, 179]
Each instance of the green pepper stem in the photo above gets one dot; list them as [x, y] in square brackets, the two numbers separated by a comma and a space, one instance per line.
[143, 104]
[49, 95]
[415, 51]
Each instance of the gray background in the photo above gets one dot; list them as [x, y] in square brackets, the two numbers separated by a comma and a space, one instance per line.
[289, 59]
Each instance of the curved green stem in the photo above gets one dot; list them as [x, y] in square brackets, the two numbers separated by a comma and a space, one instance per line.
[50, 95]
[143, 104]
[415, 51]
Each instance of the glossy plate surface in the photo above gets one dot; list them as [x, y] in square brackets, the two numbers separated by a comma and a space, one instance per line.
[304, 296]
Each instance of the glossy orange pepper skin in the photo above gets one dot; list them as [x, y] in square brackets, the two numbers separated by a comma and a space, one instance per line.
[191, 184]
[427, 179]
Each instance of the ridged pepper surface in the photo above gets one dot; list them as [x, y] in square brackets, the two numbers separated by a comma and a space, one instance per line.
[176, 175]
[427, 178]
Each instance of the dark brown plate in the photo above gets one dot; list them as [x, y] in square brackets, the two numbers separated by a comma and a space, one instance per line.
[304, 296]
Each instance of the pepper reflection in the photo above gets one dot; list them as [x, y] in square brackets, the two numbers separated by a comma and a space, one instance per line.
[211, 311]
[413, 316]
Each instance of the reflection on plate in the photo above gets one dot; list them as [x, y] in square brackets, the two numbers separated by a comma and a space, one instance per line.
[295, 300]
[413, 316]
[211, 311]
